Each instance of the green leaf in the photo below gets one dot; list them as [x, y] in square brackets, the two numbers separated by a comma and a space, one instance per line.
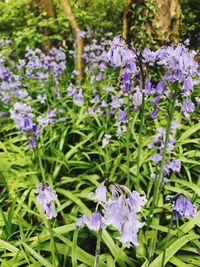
[36, 255]
[171, 251]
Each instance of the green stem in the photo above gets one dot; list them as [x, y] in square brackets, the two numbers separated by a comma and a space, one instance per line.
[53, 246]
[140, 142]
[166, 243]
[97, 251]
[128, 143]
[159, 174]
[41, 166]
[141, 122]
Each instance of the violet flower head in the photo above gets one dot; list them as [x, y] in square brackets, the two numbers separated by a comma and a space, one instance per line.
[119, 210]
[188, 107]
[119, 54]
[122, 116]
[106, 140]
[183, 208]
[46, 197]
[156, 158]
[95, 222]
[100, 193]
[137, 98]
[175, 165]
[154, 113]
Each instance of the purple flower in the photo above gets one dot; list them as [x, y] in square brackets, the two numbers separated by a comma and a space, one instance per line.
[31, 143]
[46, 197]
[183, 208]
[129, 230]
[95, 222]
[81, 222]
[154, 113]
[136, 201]
[156, 158]
[137, 98]
[187, 108]
[156, 100]
[100, 193]
[119, 211]
[187, 86]
[119, 54]
[175, 165]
[78, 98]
[148, 87]
[122, 116]
[106, 140]
[160, 88]
[48, 119]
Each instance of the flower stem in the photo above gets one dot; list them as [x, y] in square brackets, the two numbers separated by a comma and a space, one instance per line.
[128, 142]
[97, 251]
[141, 122]
[166, 243]
[140, 142]
[53, 246]
[159, 174]
[40, 165]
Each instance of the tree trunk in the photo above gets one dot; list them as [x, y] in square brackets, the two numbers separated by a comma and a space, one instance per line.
[127, 20]
[79, 39]
[48, 7]
[167, 20]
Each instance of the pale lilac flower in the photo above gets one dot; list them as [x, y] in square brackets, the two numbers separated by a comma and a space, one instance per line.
[106, 140]
[137, 98]
[100, 193]
[46, 197]
[129, 230]
[48, 119]
[183, 208]
[154, 113]
[95, 222]
[188, 107]
[122, 116]
[175, 165]
[136, 201]
[81, 222]
[160, 88]
[156, 158]
[31, 143]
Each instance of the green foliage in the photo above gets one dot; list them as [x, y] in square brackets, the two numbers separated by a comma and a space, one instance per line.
[190, 22]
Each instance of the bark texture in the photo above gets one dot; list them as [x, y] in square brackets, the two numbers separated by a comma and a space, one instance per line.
[48, 7]
[167, 20]
[127, 20]
[79, 64]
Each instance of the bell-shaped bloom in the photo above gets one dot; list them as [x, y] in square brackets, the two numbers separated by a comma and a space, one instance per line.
[100, 193]
[188, 107]
[95, 222]
[183, 208]
[136, 201]
[106, 140]
[46, 197]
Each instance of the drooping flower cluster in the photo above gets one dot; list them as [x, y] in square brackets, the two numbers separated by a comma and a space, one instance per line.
[76, 94]
[95, 56]
[119, 210]
[38, 65]
[180, 66]
[46, 197]
[182, 206]
[173, 164]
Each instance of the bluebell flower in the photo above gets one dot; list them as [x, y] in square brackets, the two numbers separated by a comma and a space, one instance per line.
[106, 140]
[188, 107]
[183, 208]
[46, 197]
[154, 113]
